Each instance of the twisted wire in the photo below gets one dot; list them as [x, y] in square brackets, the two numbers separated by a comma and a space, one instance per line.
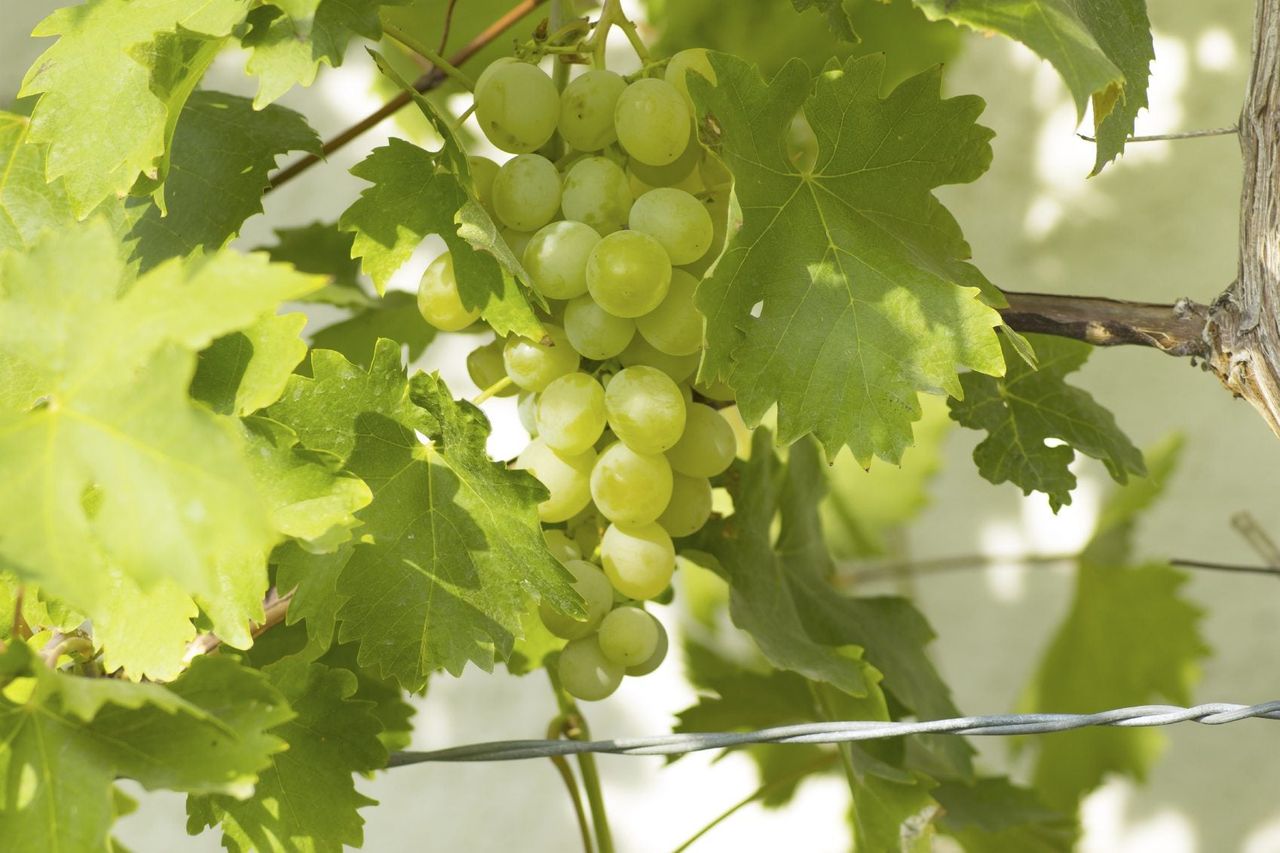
[1214, 714]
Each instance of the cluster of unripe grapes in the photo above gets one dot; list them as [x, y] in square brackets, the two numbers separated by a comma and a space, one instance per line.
[613, 235]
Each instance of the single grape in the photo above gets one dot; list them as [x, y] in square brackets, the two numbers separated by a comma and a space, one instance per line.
[638, 559]
[585, 673]
[517, 106]
[483, 171]
[675, 219]
[655, 660]
[595, 332]
[586, 110]
[571, 413]
[586, 528]
[489, 70]
[517, 241]
[438, 298]
[597, 192]
[678, 68]
[534, 364]
[675, 326]
[484, 366]
[526, 192]
[708, 445]
[628, 273]
[560, 545]
[690, 506]
[653, 121]
[678, 367]
[630, 487]
[597, 594]
[683, 168]
[527, 410]
[567, 478]
[646, 409]
[628, 636]
[556, 258]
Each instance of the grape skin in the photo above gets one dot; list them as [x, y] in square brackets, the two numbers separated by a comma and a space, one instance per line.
[595, 332]
[485, 367]
[597, 595]
[628, 636]
[678, 68]
[596, 191]
[556, 258]
[630, 487]
[707, 446]
[533, 365]
[586, 109]
[655, 660]
[517, 106]
[483, 171]
[439, 302]
[638, 559]
[675, 219]
[689, 508]
[628, 274]
[641, 352]
[653, 122]
[675, 326]
[568, 479]
[645, 409]
[571, 413]
[560, 545]
[585, 673]
[526, 192]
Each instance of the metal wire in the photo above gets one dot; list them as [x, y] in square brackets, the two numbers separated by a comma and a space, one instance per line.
[1214, 714]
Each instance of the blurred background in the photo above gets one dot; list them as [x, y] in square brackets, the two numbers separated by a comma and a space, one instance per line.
[1159, 225]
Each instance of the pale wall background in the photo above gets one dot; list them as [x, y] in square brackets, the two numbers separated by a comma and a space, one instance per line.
[1160, 225]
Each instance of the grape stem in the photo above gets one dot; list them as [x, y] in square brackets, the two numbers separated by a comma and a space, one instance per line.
[496, 388]
[575, 728]
[613, 16]
[430, 55]
[558, 728]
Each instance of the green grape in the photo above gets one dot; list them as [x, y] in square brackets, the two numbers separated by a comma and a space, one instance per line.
[556, 258]
[630, 487]
[708, 445]
[567, 478]
[586, 110]
[586, 528]
[438, 298]
[534, 364]
[655, 660]
[483, 171]
[653, 121]
[597, 192]
[560, 545]
[678, 68]
[526, 192]
[683, 168]
[518, 241]
[597, 594]
[718, 390]
[646, 409]
[571, 413]
[675, 219]
[527, 410]
[585, 673]
[517, 106]
[484, 366]
[628, 636]
[678, 367]
[489, 70]
[675, 326]
[628, 274]
[595, 332]
[639, 560]
[690, 506]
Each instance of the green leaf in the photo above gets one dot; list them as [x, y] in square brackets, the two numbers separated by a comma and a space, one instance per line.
[834, 12]
[451, 550]
[112, 86]
[1028, 407]
[289, 39]
[98, 438]
[781, 595]
[306, 799]
[28, 205]
[322, 249]
[1130, 638]
[992, 815]
[387, 698]
[845, 293]
[1102, 49]
[245, 371]
[64, 740]
[221, 153]
[394, 316]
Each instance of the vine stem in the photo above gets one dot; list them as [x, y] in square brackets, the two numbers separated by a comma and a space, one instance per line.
[428, 81]
[555, 730]
[430, 55]
[765, 789]
[1169, 137]
[845, 749]
[576, 728]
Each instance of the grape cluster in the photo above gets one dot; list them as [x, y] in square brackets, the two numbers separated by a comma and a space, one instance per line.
[614, 235]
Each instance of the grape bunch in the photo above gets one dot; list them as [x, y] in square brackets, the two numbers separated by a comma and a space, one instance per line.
[614, 236]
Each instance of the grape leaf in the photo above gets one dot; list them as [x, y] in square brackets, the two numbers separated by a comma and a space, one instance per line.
[65, 739]
[394, 316]
[451, 549]
[28, 205]
[845, 293]
[221, 153]
[112, 86]
[321, 248]
[834, 12]
[1102, 49]
[290, 38]
[306, 799]
[387, 698]
[247, 370]
[1027, 407]
[992, 815]
[98, 438]
[1117, 606]
[781, 595]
